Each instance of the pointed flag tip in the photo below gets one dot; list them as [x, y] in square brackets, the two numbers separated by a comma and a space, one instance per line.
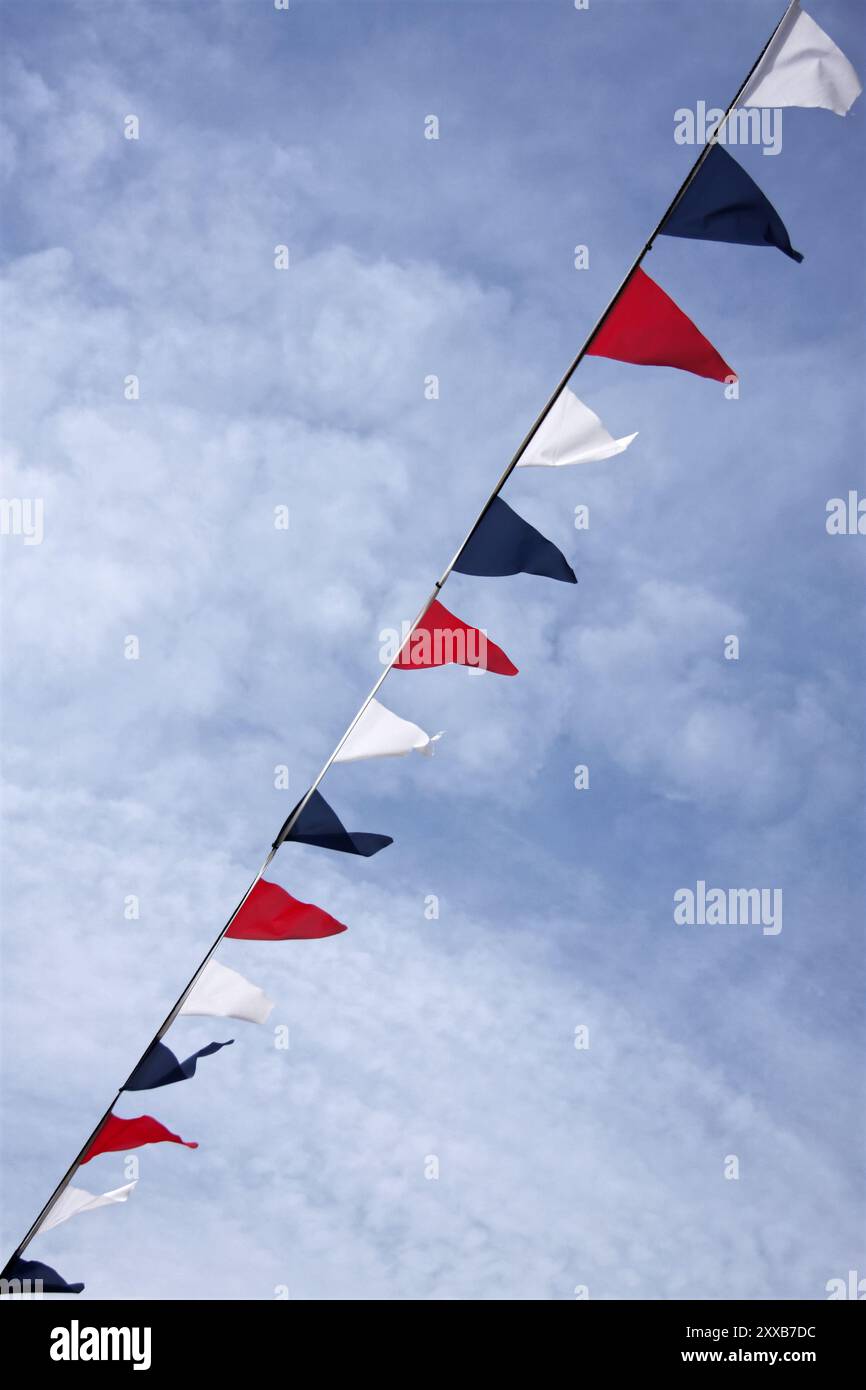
[645, 326]
[379, 733]
[802, 66]
[118, 1134]
[503, 543]
[30, 1273]
[318, 824]
[570, 434]
[272, 914]
[440, 637]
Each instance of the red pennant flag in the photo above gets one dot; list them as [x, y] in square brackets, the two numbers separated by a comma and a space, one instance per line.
[645, 326]
[272, 914]
[440, 638]
[117, 1135]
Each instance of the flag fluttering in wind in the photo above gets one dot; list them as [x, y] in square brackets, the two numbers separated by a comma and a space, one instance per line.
[28, 1271]
[223, 993]
[723, 203]
[272, 914]
[503, 543]
[571, 433]
[646, 327]
[803, 67]
[440, 638]
[160, 1067]
[319, 825]
[118, 1134]
[381, 734]
[74, 1200]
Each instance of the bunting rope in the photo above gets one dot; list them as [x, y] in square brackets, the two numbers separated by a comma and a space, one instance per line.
[644, 325]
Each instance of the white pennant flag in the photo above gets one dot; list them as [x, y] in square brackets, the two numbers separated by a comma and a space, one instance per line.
[222, 993]
[72, 1200]
[571, 433]
[381, 734]
[803, 67]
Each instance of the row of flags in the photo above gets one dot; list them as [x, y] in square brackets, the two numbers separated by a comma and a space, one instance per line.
[801, 67]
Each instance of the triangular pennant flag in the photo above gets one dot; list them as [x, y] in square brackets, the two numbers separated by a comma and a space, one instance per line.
[319, 825]
[440, 638]
[223, 993]
[74, 1200]
[571, 433]
[381, 734]
[160, 1067]
[645, 326]
[272, 914]
[118, 1134]
[803, 67]
[723, 203]
[503, 543]
[27, 1272]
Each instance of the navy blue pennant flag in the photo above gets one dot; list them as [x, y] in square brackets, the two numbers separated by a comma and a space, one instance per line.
[503, 543]
[27, 1272]
[723, 203]
[160, 1067]
[319, 825]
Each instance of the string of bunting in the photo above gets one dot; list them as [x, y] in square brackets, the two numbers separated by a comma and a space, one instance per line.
[718, 201]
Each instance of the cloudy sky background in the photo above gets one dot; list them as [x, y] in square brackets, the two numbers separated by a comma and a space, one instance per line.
[412, 1037]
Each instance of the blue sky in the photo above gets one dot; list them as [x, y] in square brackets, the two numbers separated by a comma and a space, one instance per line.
[455, 1037]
